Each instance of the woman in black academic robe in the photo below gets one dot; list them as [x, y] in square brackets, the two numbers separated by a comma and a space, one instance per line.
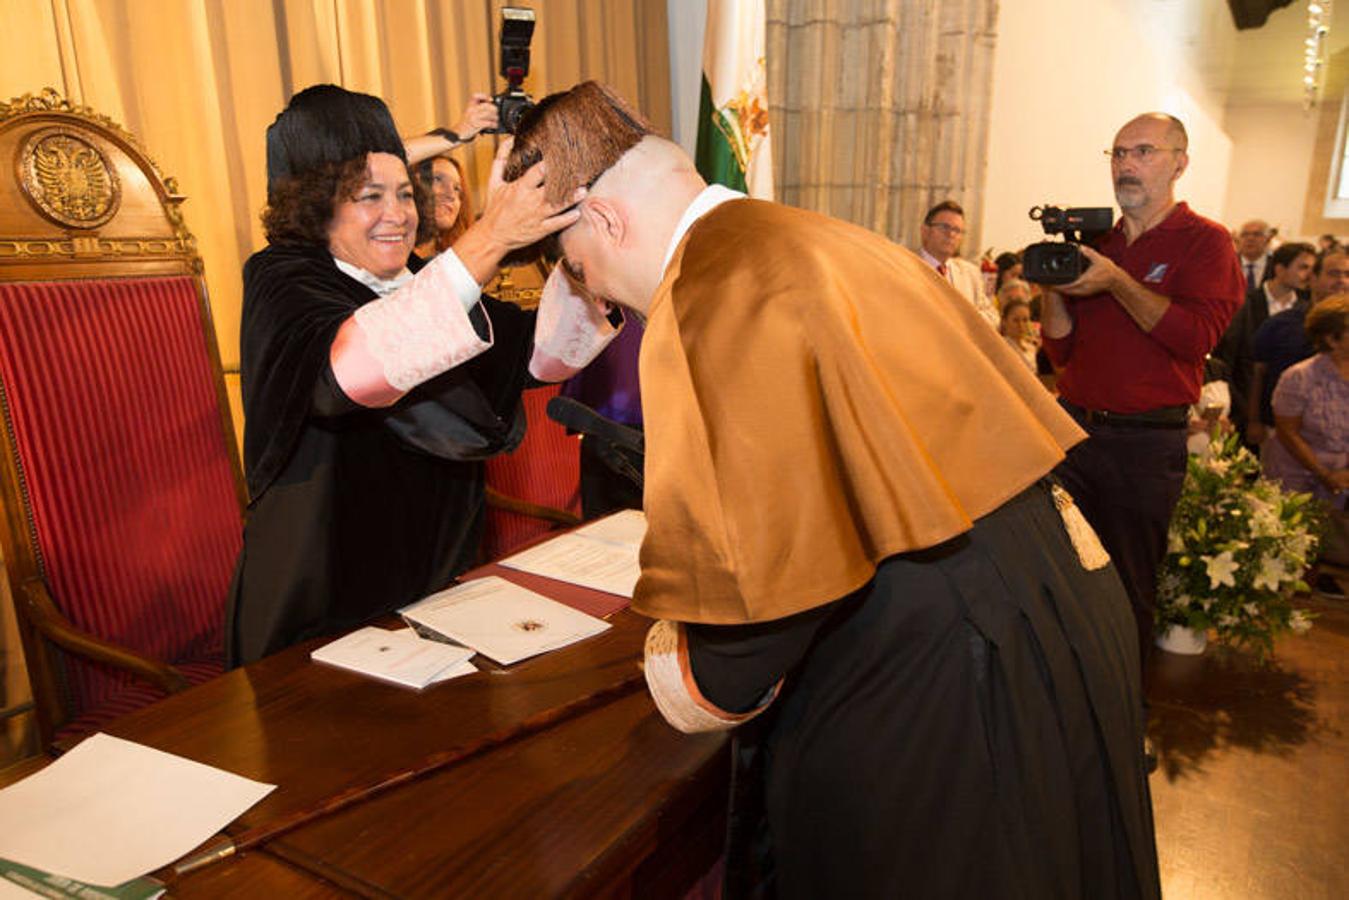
[356, 510]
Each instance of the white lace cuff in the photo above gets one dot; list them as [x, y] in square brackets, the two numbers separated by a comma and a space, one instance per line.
[670, 680]
[570, 332]
[423, 329]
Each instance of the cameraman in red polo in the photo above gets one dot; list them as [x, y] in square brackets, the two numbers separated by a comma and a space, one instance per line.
[1131, 336]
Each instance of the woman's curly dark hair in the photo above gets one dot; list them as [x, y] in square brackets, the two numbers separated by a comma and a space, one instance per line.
[300, 209]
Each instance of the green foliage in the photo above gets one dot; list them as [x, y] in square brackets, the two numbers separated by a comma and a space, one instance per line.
[1237, 550]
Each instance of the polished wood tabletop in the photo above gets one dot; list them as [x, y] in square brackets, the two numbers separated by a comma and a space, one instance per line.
[552, 777]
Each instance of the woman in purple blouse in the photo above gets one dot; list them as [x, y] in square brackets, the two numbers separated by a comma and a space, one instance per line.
[1311, 421]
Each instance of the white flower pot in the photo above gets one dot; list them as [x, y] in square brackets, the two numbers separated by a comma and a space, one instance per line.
[1179, 639]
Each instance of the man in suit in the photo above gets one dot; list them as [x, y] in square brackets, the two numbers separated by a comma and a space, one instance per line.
[1253, 248]
[943, 227]
[1290, 273]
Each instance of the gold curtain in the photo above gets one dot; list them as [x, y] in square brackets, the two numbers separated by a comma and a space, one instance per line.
[199, 81]
[880, 108]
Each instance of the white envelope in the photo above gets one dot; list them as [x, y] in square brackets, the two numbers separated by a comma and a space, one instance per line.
[399, 656]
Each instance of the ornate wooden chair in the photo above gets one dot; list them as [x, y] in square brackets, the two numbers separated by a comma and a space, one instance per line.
[119, 470]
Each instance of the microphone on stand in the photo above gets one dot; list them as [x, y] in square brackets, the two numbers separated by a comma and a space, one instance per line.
[621, 448]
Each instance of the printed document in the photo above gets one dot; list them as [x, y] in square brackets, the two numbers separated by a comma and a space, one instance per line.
[501, 620]
[601, 555]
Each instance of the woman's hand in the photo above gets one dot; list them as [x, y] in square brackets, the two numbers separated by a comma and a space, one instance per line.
[518, 214]
[479, 114]
[1337, 480]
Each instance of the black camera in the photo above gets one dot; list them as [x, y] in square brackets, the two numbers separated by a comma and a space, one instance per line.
[517, 28]
[1061, 262]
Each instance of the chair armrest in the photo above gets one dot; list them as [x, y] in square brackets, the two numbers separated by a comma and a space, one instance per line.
[549, 514]
[43, 615]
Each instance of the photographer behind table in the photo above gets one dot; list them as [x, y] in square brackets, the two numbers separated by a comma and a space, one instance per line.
[372, 395]
[1130, 336]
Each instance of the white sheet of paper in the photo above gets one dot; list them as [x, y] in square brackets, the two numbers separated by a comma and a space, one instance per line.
[626, 528]
[501, 620]
[398, 656]
[111, 810]
[463, 668]
[601, 555]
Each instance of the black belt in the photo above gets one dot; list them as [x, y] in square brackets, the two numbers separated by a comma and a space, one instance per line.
[1161, 417]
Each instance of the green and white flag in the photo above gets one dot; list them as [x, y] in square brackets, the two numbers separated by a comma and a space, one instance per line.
[733, 147]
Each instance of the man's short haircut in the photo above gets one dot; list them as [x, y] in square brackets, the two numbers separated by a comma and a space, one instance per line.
[1287, 253]
[1327, 254]
[581, 132]
[944, 206]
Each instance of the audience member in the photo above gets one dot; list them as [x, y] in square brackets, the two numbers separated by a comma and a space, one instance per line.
[1282, 341]
[1328, 242]
[1130, 337]
[1290, 273]
[449, 210]
[1311, 420]
[1253, 248]
[1009, 267]
[1019, 331]
[943, 227]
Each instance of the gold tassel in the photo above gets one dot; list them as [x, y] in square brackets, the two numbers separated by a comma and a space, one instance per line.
[1088, 546]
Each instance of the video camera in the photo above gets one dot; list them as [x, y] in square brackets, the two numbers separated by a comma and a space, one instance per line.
[517, 28]
[1061, 262]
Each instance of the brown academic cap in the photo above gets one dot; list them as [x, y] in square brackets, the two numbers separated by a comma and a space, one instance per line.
[328, 124]
[581, 132]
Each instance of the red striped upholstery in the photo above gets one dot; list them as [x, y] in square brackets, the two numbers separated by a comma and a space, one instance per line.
[110, 394]
[545, 469]
[131, 697]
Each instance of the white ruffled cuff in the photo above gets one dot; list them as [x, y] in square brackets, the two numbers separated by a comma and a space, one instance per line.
[423, 329]
[673, 688]
[570, 332]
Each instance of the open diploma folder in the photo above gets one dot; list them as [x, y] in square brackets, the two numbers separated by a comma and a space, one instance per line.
[601, 555]
[501, 620]
[398, 656]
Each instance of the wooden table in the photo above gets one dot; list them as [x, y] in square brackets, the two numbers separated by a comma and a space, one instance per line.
[553, 777]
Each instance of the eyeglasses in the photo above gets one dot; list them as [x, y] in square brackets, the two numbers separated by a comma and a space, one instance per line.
[1142, 153]
[952, 230]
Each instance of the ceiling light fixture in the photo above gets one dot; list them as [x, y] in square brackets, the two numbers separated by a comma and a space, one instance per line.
[1314, 50]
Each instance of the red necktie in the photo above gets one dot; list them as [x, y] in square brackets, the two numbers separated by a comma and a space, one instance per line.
[941, 269]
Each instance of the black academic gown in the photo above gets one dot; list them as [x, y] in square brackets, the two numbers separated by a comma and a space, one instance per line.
[966, 725]
[355, 512]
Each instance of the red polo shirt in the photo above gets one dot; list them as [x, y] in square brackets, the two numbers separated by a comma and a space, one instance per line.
[1108, 361]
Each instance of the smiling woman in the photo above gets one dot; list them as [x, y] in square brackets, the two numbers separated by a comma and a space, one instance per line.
[375, 228]
[372, 392]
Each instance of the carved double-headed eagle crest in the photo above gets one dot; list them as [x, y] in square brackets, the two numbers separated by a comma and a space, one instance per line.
[68, 178]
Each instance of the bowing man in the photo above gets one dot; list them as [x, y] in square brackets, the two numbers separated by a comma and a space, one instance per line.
[855, 555]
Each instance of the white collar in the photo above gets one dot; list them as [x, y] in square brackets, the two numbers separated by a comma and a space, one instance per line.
[932, 260]
[708, 199]
[381, 286]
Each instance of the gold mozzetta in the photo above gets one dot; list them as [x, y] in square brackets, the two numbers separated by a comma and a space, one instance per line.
[816, 400]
